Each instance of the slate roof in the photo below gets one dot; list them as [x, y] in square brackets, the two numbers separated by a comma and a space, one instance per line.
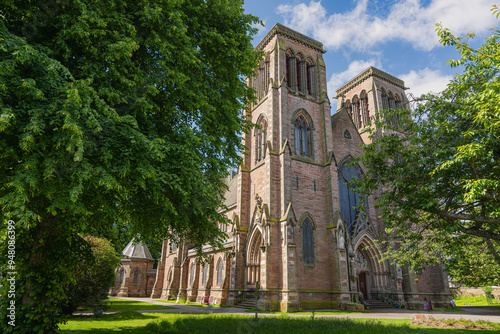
[137, 250]
[231, 193]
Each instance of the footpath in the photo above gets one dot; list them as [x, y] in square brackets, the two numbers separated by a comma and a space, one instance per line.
[491, 314]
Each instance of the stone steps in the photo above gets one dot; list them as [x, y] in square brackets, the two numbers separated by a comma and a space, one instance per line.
[247, 304]
[378, 304]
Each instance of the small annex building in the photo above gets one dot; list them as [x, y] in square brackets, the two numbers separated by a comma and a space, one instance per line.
[297, 230]
[136, 276]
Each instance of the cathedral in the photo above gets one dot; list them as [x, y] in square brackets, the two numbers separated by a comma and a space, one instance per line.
[297, 234]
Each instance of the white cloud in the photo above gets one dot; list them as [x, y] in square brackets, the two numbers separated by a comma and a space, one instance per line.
[407, 20]
[425, 81]
[338, 79]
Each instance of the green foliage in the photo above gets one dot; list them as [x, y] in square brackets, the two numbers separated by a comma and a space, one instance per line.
[94, 276]
[113, 112]
[435, 172]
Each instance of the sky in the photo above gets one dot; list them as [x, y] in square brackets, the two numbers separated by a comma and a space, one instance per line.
[398, 37]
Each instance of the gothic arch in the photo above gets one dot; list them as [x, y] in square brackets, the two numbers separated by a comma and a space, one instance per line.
[253, 257]
[307, 215]
[365, 111]
[356, 111]
[385, 99]
[260, 134]
[303, 130]
[136, 276]
[376, 266]
[309, 239]
[302, 111]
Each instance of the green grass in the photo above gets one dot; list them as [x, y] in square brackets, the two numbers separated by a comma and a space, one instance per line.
[252, 310]
[447, 310]
[476, 301]
[118, 305]
[133, 322]
[190, 304]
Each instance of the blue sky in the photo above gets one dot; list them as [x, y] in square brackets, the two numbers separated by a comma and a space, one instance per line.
[395, 36]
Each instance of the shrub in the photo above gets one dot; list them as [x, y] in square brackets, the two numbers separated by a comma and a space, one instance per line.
[94, 277]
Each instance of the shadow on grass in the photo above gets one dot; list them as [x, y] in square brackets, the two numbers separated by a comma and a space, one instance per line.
[131, 322]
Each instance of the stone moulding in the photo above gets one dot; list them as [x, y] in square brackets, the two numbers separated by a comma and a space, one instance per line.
[370, 71]
[279, 29]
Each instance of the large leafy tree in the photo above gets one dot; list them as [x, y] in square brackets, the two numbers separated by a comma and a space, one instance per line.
[113, 111]
[435, 169]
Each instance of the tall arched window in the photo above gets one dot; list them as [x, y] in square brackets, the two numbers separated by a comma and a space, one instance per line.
[205, 273]
[364, 108]
[349, 108]
[385, 100]
[349, 198]
[302, 137]
[192, 273]
[291, 70]
[136, 277]
[397, 101]
[122, 275]
[220, 268]
[356, 111]
[308, 241]
[260, 140]
[298, 64]
[311, 78]
[392, 105]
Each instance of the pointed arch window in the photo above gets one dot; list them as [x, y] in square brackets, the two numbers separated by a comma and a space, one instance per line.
[192, 273]
[302, 137]
[260, 140]
[298, 71]
[385, 100]
[356, 111]
[349, 108]
[136, 277]
[122, 276]
[219, 271]
[365, 112]
[291, 70]
[311, 78]
[349, 198]
[307, 241]
[204, 276]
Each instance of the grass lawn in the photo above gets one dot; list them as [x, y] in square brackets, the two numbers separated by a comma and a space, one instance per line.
[476, 301]
[309, 312]
[447, 310]
[133, 322]
[189, 303]
[118, 305]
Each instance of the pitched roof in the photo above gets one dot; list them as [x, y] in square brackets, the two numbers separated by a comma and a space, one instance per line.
[137, 250]
[231, 194]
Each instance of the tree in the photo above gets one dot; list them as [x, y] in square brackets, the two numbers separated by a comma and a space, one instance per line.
[114, 111]
[95, 275]
[435, 172]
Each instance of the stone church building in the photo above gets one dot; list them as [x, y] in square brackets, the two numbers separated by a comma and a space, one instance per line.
[296, 229]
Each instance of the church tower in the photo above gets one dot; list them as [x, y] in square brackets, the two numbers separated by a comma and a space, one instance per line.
[284, 182]
[298, 235]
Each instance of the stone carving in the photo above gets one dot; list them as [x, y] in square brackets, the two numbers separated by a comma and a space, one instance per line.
[362, 263]
[341, 239]
[399, 271]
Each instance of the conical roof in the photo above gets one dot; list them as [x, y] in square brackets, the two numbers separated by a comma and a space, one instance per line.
[137, 250]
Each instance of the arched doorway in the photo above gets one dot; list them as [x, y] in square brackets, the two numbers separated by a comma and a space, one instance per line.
[370, 270]
[253, 259]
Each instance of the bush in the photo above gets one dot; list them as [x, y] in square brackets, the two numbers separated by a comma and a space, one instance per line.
[94, 277]
[487, 292]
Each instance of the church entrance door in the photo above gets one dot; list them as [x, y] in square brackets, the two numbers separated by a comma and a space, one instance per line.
[362, 285]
